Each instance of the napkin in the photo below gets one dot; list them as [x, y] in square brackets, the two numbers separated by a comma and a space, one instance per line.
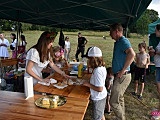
[28, 84]
[74, 72]
[53, 80]
[74, 63]
[44, 83]
[79, 81]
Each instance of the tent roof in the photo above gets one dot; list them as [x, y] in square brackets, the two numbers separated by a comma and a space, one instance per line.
[81, 14]
[151, 27]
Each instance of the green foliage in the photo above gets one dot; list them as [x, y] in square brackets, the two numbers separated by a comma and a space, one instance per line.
[152, 14]
[141, 26]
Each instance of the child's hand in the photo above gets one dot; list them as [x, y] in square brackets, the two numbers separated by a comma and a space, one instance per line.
[86, 83]
[146, 66]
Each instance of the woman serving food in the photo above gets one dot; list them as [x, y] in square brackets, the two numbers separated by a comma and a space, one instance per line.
[39, 56]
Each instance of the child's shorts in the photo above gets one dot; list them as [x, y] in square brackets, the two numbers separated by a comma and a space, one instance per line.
[140, 74]
[98, 109]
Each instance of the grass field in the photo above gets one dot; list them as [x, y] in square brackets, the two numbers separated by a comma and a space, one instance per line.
[135, 109]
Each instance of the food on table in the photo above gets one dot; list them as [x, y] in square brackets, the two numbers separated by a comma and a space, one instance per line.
[56, 97]
[70, 82]
[59, 84]
[45, 101]
[54, 102]
[65, 82]
[79, 81]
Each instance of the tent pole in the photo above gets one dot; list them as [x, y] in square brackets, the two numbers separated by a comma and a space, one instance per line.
[126, 32]
[17, 37]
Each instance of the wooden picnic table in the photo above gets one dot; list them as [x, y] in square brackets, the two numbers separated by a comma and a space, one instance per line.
[14, 106]
[76, 91]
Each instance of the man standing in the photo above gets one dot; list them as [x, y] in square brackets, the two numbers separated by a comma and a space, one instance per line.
[82, 41]
[123, 56]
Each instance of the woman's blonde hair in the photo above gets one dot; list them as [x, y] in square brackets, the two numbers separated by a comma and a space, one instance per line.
[56, 49]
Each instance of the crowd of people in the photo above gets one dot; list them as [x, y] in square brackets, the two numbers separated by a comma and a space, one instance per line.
[107, 85]
[5, 46]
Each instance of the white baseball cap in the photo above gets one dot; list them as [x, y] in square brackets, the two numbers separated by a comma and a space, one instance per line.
[95, 52]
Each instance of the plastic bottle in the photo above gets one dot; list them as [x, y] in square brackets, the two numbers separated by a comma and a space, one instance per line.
[80, 67]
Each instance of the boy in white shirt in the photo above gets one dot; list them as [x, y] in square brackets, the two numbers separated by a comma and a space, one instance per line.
[97, 83]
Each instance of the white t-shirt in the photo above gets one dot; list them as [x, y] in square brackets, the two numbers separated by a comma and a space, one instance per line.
[157, 57]
[24, 43]
[14, 43]
[98, 79]
[33, 55]
[67, 44]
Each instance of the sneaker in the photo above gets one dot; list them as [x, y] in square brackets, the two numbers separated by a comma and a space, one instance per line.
[140, 97]
[134, 94]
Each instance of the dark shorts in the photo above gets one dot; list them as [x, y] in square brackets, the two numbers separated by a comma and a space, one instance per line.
[140, 74]
[98, 109]
[158, 74]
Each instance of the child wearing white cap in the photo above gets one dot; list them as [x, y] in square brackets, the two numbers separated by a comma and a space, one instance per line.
[97, 83]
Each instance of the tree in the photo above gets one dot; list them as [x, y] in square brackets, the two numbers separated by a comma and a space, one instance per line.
[141, 26]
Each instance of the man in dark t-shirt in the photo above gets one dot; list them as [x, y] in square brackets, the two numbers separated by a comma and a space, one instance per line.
[82, 41]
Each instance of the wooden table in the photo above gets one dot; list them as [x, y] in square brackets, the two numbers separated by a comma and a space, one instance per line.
[14, 106]
[77, 91]
[9, 62]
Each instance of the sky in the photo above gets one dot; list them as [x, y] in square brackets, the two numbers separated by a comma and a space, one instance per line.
[155, 5]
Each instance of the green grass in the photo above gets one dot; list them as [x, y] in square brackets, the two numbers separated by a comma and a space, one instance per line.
[135, 110]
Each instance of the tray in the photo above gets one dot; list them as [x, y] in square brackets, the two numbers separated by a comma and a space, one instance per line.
[60, 101]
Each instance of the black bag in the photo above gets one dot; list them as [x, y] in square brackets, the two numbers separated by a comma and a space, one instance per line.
[11, 47]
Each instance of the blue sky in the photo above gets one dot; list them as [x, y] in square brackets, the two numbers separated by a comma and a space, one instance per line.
[155, 5]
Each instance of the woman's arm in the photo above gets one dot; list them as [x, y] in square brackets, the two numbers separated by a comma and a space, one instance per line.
[29, 70]
[57, 69]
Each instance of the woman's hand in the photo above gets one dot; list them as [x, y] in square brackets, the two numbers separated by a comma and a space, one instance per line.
[47, 80]
[64, 75]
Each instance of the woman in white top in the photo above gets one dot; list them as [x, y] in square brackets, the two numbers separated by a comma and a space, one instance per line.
[67, 48]
[39, 56]
[4, 43]
[13, 45]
